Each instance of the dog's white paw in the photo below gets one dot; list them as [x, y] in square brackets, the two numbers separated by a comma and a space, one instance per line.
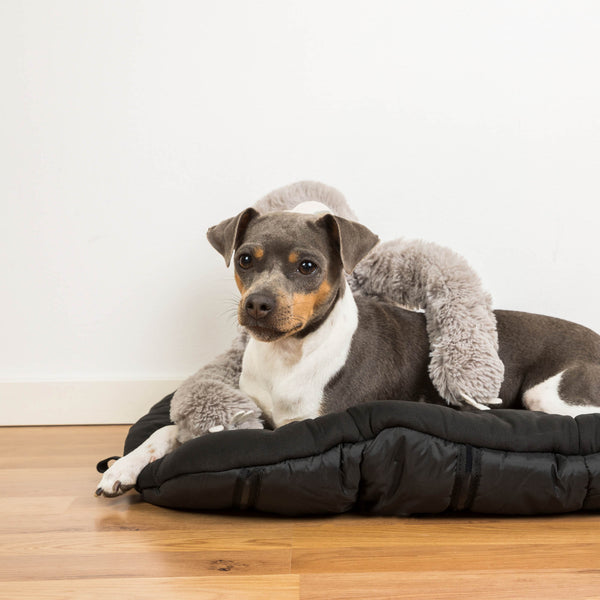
[123, 475]
[119, 478]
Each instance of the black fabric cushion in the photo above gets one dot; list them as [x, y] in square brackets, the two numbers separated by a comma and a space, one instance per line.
[383, 458]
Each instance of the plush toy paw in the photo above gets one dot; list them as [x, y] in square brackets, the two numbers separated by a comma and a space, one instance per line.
[483, 405]
[243, 419]
[201, 406]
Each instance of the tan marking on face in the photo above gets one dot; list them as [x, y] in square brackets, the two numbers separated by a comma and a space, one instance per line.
[240, 285]
[258, 253]
[293, 257]
[304, 305]
[293, 311]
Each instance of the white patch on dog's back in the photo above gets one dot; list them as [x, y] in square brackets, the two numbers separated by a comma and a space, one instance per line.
[287, 378]
[545, 397]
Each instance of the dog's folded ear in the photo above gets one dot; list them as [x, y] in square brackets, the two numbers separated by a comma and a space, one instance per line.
[354, 240]
[225, 237]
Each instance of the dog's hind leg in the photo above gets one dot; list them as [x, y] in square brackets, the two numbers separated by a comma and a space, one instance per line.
[574, 391]
[123, 474]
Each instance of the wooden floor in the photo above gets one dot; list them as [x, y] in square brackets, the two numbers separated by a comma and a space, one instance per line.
[57, 540]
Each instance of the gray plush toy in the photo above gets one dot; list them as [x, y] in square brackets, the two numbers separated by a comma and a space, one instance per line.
[464, 367]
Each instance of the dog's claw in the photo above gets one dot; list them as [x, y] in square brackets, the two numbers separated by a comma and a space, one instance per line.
[117, 489]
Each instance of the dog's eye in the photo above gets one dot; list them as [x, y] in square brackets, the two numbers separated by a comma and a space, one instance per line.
[245, 261]
[307, 267]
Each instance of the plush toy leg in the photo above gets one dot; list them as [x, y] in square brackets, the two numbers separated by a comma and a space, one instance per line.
[124, 473]
[465, 367]
[211, 400]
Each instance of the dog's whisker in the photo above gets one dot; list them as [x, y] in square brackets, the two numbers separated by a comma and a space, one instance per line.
[229, 314]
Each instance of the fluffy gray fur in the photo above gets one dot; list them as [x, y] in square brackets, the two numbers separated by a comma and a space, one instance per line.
[464, 365]
[211, 398]
[286, 198]
[460, 323]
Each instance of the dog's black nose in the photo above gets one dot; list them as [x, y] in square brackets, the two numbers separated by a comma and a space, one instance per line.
[258, 306]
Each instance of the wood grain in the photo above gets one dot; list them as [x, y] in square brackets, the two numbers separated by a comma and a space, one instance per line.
[259, 587]
[468, 585]
[57, 540]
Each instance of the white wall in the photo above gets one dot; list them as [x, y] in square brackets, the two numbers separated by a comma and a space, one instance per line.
[130, 127]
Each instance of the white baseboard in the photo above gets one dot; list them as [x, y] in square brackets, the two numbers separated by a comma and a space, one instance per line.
[79, 402]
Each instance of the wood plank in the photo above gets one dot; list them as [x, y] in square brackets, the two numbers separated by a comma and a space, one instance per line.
[126, 513]
[145, 563]
[435, 585]
[76, 446]
[357, 544]
[253, 587]
[445, 557]
[45, 481]
[66, 544]
[358, 531]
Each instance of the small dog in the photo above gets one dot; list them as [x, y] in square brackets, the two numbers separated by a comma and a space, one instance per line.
[314, 348]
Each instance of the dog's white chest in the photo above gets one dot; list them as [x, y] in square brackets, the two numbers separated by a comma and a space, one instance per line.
[287, 378]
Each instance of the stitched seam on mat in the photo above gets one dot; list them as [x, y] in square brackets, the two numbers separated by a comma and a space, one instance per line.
[475, 477]
[588, 487]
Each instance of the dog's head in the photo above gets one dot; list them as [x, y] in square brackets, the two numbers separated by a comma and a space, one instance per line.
[289, 267]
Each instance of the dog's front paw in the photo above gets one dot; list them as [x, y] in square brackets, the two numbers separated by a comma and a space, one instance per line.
[119, 478]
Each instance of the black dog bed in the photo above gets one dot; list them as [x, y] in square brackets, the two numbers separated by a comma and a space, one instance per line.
[383, 458]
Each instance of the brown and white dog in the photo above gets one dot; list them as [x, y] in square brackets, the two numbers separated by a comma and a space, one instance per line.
[314, 348]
